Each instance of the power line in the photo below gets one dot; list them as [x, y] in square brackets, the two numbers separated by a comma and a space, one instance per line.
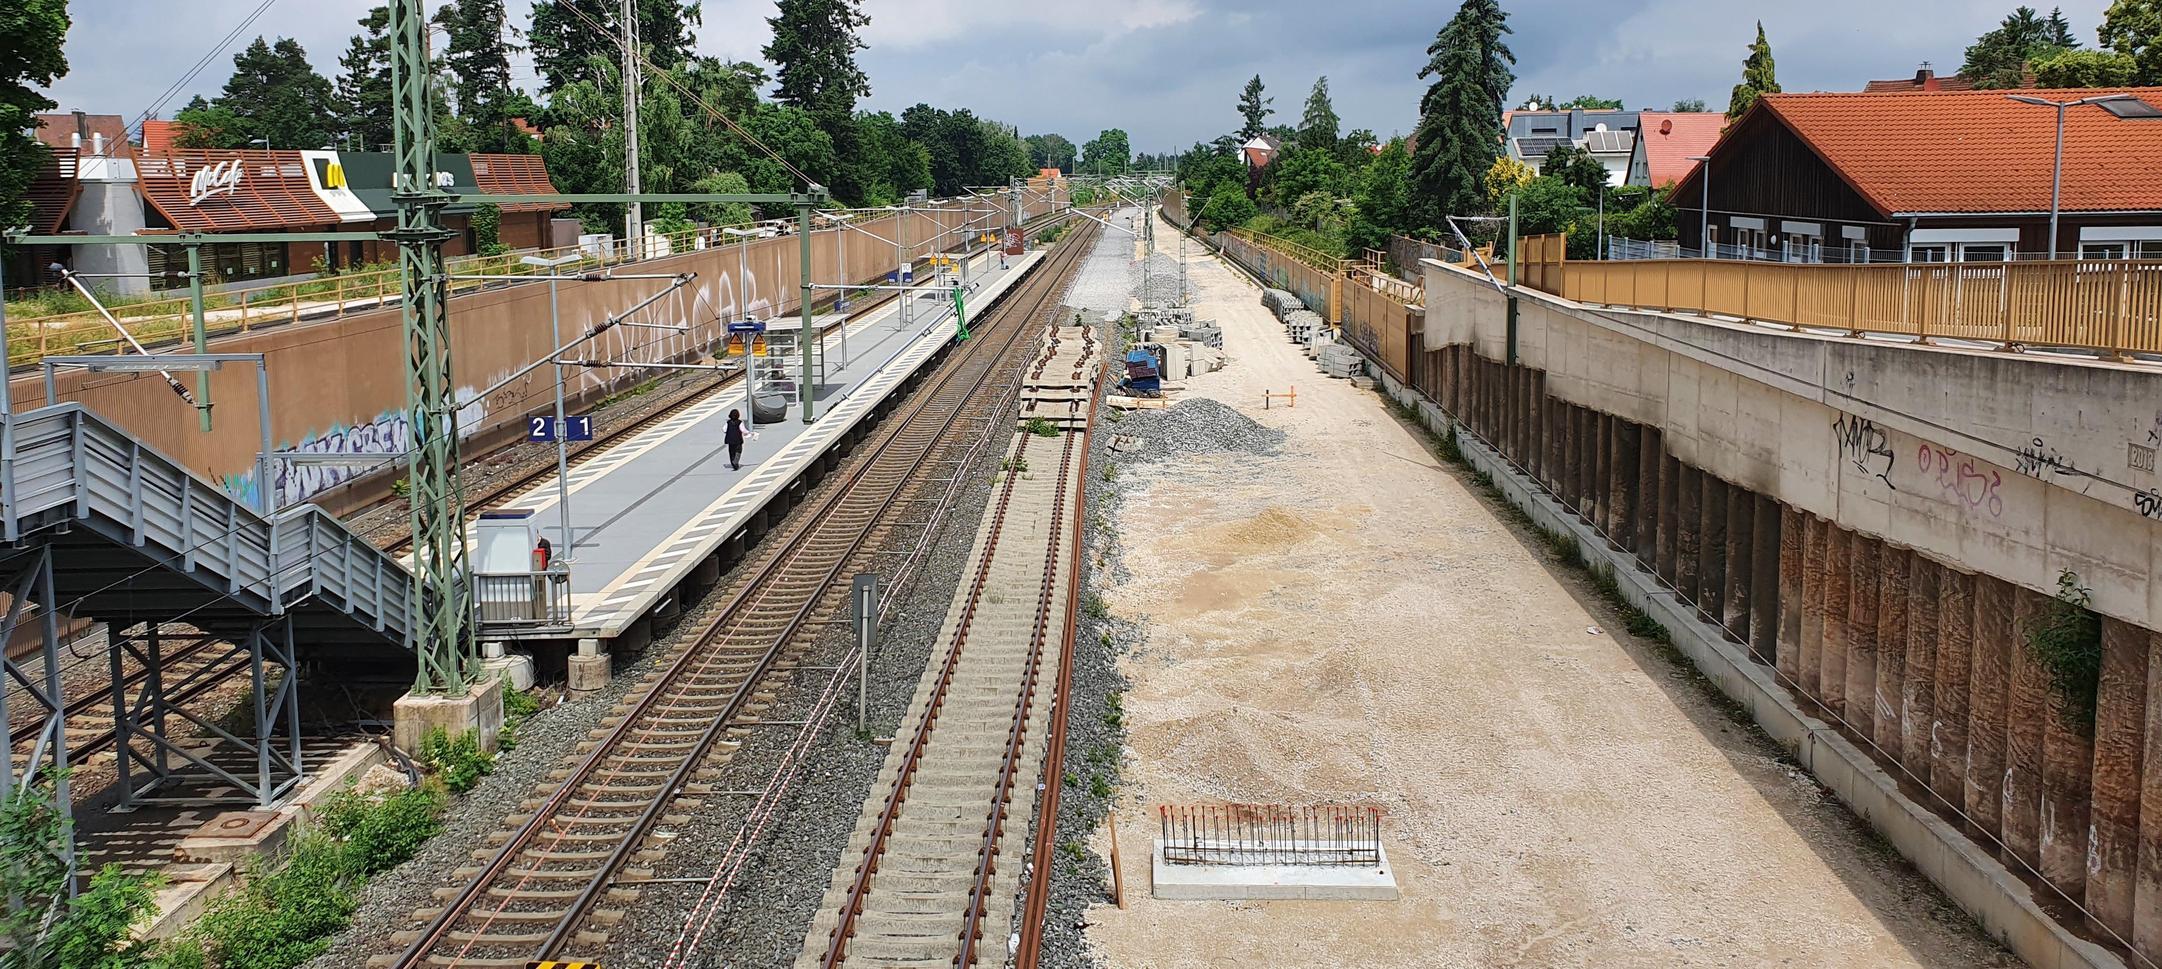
[158, 104]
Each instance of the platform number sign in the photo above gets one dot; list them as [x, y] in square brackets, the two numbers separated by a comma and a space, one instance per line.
[539, 430]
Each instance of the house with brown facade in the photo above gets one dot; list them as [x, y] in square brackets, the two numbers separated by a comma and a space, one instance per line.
[1931, 176]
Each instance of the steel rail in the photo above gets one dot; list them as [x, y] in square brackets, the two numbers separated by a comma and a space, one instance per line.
[690, 660]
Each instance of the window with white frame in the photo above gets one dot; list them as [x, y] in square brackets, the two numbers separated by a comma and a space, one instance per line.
[1963, 245]
[2120, 242]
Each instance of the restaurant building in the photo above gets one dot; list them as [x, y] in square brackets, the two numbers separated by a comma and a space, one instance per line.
[97, 182]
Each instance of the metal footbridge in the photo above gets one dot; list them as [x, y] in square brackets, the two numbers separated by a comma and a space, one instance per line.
[97, 526]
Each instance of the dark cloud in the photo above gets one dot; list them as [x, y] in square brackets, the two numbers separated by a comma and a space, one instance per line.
[1168, 71]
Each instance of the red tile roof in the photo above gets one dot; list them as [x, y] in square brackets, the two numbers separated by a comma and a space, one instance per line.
[58, 130]
[1978, 151]
[158, 135]
[1671, 138]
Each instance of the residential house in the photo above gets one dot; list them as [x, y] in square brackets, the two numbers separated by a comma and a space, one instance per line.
[1609, 135]
[1668, 144]
[1930, 176]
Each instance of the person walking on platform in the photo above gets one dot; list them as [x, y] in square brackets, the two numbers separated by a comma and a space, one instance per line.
[735, 440]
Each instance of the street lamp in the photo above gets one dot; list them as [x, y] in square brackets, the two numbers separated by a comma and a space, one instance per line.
[2056, 178]
[1704, 214]
[563, 457]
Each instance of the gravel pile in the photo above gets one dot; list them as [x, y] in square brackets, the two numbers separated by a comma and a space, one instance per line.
[1197, 425]
[1163, 276]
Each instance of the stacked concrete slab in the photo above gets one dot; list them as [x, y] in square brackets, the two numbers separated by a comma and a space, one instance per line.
[1338, 360]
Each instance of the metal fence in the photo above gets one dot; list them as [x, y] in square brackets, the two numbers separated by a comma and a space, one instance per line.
[1270, 834]
[523, 598]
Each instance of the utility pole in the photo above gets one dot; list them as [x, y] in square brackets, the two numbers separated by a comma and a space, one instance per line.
[441, 627]
[634, 218]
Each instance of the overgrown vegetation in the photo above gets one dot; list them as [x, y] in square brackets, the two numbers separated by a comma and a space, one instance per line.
[41, 925]
[1040, 427]
[1013, 463]
[2065, 637]
[518, 707]
[457, 760]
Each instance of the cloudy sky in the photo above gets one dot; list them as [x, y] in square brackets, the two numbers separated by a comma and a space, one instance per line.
[1168, 71]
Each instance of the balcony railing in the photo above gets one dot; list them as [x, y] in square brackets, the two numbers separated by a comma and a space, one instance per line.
[2110, 306]
[523, 599]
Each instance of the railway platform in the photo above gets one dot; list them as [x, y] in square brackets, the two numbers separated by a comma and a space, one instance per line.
[661, 507]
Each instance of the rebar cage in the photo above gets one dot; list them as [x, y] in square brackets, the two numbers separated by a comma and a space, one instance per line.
[1270, 834]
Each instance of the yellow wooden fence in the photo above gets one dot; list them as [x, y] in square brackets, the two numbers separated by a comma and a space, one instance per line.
[2114, 306]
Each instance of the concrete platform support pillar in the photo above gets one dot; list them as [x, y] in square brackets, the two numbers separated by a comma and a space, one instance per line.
[1862, 636]
[1741, 561]
[2027, 703]
[1792, 530]
[2147, 878]
[1984, 626]
[1816, 536]
[1649, 459]
[1764, 595]
[1688, 518]
[1667, 541]
[1601, 506]
[1918, 722]
[1631, 450]
[1951, 742]
[1519, 406]
[590, 669]
[1838, 551]
[1580, 432]
[1536, 451]
[1892, 567]
[2120, 720]
[1621, 452]
[1588, 477]
[2067, 800]
[1712, 549]
[479, 711]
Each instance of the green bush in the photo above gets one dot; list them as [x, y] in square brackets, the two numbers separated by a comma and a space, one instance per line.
[459, 761]
[293, 905]
[89, 932]
[2066, 638]
[518, 707]
[1040, 427]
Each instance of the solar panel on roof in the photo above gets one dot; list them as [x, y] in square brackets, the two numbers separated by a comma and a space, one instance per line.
[1609, 141]
[2131, 108]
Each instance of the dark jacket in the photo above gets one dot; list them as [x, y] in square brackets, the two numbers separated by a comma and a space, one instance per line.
[735, 431]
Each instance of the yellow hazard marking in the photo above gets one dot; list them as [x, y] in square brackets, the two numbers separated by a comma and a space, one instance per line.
[562, 965]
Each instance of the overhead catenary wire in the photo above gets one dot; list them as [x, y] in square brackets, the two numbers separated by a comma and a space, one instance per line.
[158, 104]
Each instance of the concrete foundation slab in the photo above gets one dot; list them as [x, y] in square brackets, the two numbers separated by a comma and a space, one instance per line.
[1312, 882]
[234, 837]
[479, 710]
[588, 674]
[186, 893]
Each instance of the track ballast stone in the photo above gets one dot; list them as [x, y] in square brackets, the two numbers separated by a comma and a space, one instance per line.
[1197, 425]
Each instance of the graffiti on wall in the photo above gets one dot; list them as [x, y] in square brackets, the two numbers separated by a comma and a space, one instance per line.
[391, 432]
[1959, 477]
[2148, 502]
[1865, 446]
[2039, 459]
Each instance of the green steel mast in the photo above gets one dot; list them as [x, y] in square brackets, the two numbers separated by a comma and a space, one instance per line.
[442, 629]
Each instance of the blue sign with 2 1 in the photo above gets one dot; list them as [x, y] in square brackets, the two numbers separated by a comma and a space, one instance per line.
[543, 429]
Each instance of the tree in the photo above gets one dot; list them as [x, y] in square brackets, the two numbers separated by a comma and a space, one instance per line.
[567, 36]
[1758, 76]
[721, 213]
[477, 61]
[1303, 171]
[1382, 199]
[1575, 167]
[2002, 57]
[891, 165]
[1537, 102]
[1109, 153]
[1051, 151]
[1688, 105]
[206, 125]
[1228, 207]
[1505, 176]
[279, 96]
[44, 927]
[363, 105]
[31, 35]
[1254, 109]
[1318, 125]
[2084, 68]
[2134, 28]
[1460, 128]
[1591, 102]
[814, 49]
[1357, 149]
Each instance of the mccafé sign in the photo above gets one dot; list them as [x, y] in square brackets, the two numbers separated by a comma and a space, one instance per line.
[213, 180]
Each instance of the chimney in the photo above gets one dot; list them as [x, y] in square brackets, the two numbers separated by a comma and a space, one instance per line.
[1924, 74]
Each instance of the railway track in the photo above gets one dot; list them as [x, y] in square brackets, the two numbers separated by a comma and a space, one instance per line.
[550, 887]
[927, 888]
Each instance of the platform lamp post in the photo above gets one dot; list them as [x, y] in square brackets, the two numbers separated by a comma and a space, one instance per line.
[743, 312]
[2056, 176]
[1704, 213]
[563, 458]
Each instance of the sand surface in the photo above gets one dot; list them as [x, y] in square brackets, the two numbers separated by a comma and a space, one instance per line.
[1351, 622]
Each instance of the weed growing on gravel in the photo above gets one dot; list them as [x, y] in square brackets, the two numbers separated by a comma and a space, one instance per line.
[292, 906]
[1073, 850]
[459, 761]
[1015, 464]
[402, 488]
[1040, 427]
[1095, 608]
[1114, 712]
[1111, 472]
[518, 707]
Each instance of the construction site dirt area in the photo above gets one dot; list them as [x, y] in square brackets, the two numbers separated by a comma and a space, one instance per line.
[1350, 621]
